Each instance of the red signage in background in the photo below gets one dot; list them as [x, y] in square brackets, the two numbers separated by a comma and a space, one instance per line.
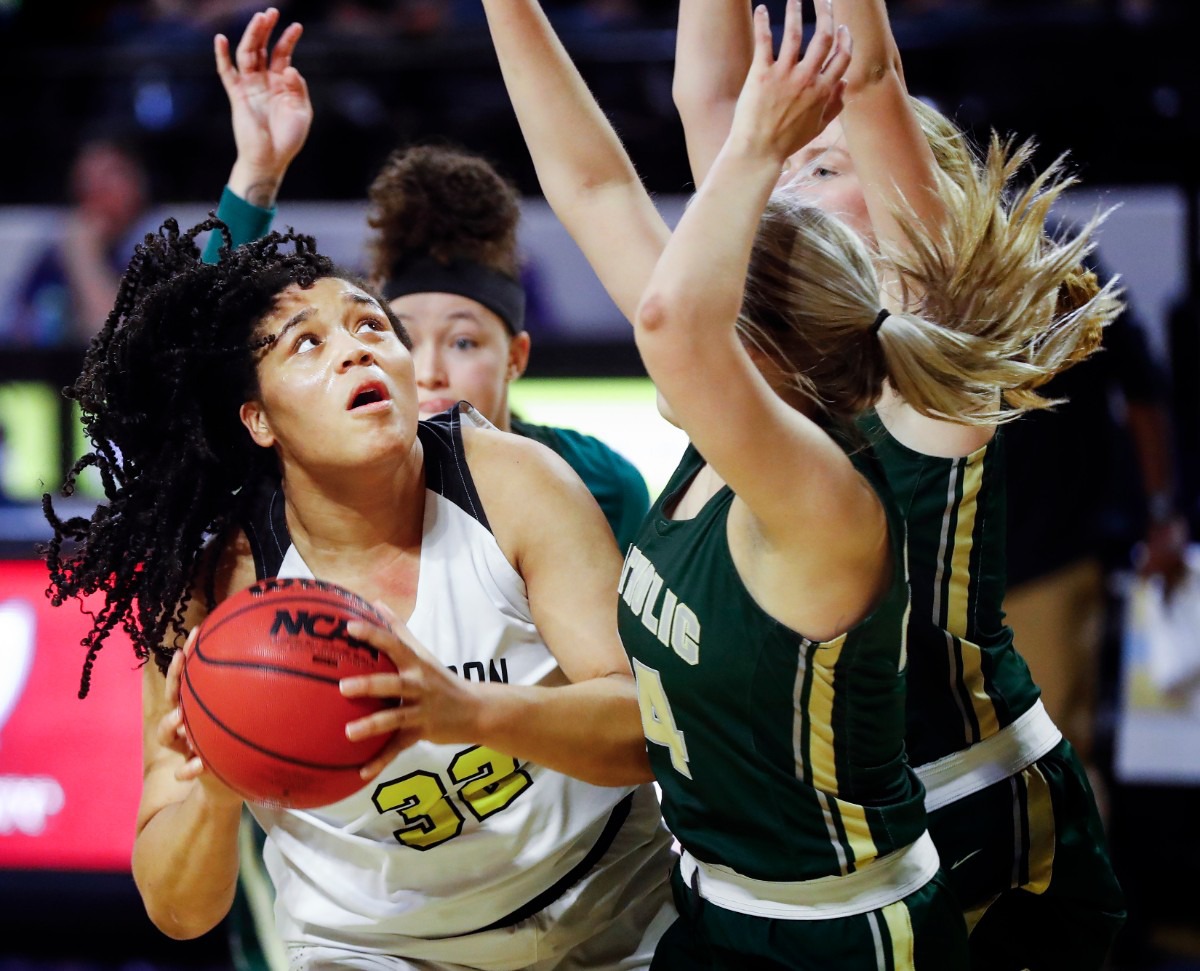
[70, 769]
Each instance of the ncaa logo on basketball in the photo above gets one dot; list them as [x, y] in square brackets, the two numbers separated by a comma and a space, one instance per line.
[326, 627]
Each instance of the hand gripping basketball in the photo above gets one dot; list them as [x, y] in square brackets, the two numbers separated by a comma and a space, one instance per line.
[260, 692]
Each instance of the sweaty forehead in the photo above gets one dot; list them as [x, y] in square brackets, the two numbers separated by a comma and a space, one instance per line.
[328, 298]
[327, 294]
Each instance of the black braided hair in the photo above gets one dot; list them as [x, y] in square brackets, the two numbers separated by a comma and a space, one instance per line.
[160, 391]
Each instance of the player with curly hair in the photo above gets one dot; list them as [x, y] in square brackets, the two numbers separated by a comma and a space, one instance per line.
[258, 417]
[444, 252]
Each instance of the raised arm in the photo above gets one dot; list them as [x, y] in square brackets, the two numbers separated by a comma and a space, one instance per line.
[271, 114]
[269, 106]
[890, 152]
[714, 45]
[583, 169]
[764, 448]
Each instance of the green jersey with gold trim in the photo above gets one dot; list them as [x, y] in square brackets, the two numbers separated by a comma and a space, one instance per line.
[966, 681]
[778, 756]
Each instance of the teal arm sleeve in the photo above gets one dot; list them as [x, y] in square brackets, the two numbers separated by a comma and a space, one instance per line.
[245, 222]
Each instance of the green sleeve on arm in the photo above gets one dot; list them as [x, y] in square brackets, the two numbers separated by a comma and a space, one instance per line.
[245, 222]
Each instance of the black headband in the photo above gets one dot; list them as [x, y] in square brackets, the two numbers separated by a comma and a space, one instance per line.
[497, 291]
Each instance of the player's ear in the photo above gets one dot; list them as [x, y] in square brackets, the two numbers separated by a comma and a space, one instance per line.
[254, 417]
[518, 355]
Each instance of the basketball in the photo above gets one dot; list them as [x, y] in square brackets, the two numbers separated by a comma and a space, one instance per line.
[260, 698]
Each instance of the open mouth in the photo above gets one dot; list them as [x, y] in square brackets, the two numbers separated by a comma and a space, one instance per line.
[368, 394]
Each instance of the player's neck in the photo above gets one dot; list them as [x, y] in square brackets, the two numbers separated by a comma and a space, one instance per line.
[363, 510]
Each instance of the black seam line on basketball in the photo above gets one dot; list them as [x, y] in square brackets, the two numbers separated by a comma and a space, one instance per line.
[297, 598]
[260, 666]
[331, 766]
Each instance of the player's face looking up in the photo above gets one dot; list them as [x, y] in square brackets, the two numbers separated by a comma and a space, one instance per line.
[336, 383]
[461, 351]
[822, 174]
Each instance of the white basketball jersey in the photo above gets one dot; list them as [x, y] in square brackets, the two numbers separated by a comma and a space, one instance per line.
[448, 839]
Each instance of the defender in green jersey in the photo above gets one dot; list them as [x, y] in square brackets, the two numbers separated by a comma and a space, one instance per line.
[1011, 809]
[1011, 812]
[780, 760]
[763, 602]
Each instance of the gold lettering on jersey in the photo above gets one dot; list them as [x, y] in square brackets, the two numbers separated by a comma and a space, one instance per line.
[669, 619]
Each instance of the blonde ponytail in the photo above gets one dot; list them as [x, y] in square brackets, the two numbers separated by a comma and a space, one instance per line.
[994, 305]
[992, 275]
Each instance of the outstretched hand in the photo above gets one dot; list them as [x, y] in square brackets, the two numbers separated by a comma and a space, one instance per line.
[269, 106]
[788, 99]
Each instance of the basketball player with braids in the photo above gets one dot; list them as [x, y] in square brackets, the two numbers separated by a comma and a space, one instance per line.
[1011, 809]
[259, 417]
[444, 252]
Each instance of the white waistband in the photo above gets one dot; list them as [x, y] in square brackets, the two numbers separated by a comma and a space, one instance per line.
[1006, 753]
[879, 883]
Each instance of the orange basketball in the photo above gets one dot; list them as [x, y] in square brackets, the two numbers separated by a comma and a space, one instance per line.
[260, 693]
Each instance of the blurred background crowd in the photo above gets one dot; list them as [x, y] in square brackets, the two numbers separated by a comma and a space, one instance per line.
[1089, 73]
[112, 115]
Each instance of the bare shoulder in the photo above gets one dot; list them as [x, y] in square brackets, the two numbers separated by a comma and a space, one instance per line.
[500, 460]
[529, 492]
[930, 436]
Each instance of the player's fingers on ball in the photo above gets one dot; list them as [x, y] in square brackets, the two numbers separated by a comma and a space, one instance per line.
[378, 637]
[379, 763]
[383, 639]
[373, 768]
[193, 636]
[169, 727]
[400, 741]
[381, 685]
[174, 674]
[387, 613]
[190, 769]
[378, 723]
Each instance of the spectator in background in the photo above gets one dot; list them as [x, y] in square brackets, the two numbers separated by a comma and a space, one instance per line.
[71, 287]
[1072, 515]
